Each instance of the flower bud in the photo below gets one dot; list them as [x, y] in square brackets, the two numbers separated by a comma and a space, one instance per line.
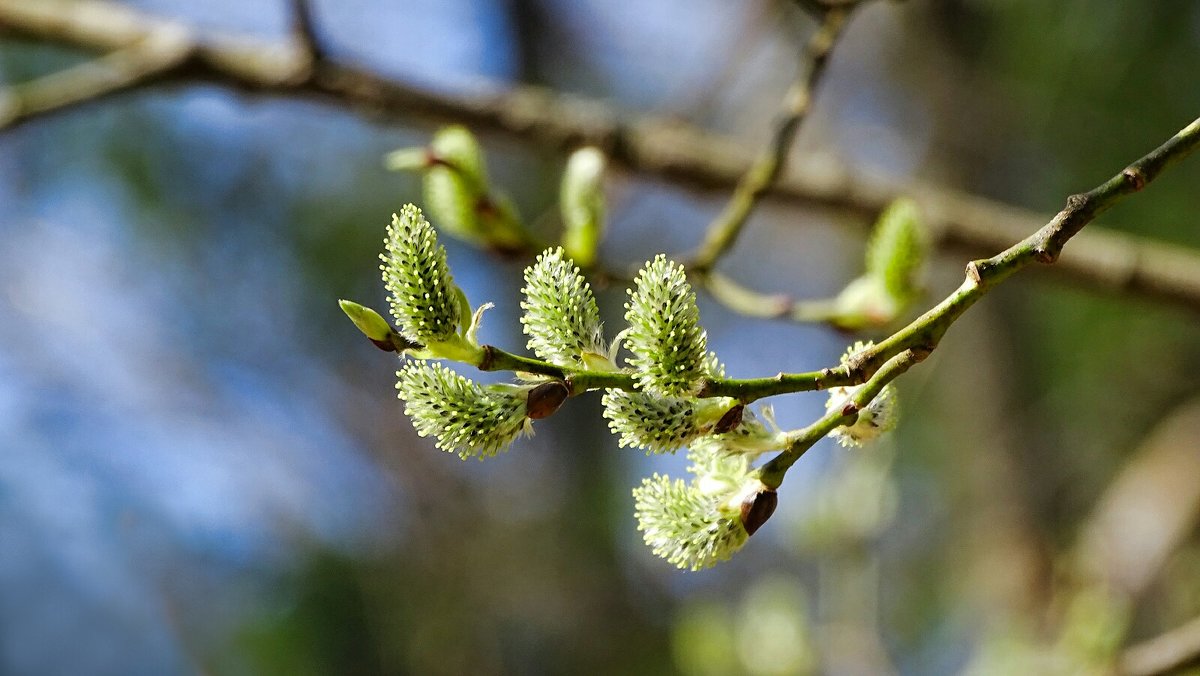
[425, 301]
[543, 400]
[467, 418]
[561, 317]
[367, 320]
[688, 528]
[669, 347]
[877, 417]
[581, 202]
[661, 424]
[459, 198]
[757, 507]
[897, 250]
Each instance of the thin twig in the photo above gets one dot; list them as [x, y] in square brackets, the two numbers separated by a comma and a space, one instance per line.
[1156, 485]
[799, 442]
[125, 68]
[753, 303]
[1043, 246]
[1105, 260]
[304, 28]
[1169, 653]
[724, 229]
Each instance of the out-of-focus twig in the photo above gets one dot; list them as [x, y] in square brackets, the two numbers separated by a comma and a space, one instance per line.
[134, 65]
[668, 149]
[304, 28]
[769, 165]
[1153, 504]
[1168, 653]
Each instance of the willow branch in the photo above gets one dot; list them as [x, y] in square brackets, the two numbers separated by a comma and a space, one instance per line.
[667, 149]
[493, 358]
[799, 442]
[766, 169]
[131, 66]
[1156, 486]
[1043, 246]
[1169, 653]
[753, 303]
[304, 29]
[924, 333]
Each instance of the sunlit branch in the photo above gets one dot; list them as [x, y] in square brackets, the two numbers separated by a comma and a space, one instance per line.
[769, 165]
[1104, 260]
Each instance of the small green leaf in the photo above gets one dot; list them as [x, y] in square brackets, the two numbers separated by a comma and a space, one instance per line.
[367, 320]
[581, 203]
[897, 249]
[408, 159]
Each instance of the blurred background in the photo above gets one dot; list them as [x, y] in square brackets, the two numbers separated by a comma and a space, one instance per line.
[204, 467]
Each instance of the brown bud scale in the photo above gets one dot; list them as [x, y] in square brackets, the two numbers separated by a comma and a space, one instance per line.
[757, 508]
[729, 421]
[543, 400]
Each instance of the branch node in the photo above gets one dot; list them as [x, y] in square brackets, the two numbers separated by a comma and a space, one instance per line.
[975, 272]
[1135, 178]
[488, 359]
[1046, 253]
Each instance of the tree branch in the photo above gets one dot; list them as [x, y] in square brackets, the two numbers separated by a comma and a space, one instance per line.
[304, 29]
[1169, 653]
[799, 442]
[1043, 246]
[766, 169]
[130, 66]
[678, 152]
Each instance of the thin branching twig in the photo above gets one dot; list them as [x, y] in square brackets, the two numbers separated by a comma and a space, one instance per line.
[1099, 259]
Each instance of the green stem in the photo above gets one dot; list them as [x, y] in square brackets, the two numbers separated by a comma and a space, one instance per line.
[924, 333]
[496, 359]
[893, 356]
[1043, 246]
[767, 168]
[772, 473]
[752, 303]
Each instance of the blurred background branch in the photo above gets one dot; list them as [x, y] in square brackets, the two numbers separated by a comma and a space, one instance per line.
[769, 165]
[1169, 653]
[1104, 260]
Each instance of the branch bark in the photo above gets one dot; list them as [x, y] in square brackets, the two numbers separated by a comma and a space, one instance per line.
[671, 150]
[1169, 653]
[769, 165]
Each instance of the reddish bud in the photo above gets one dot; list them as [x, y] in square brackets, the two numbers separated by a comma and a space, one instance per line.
[729, 421]
[543, 400]
[757, 508]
